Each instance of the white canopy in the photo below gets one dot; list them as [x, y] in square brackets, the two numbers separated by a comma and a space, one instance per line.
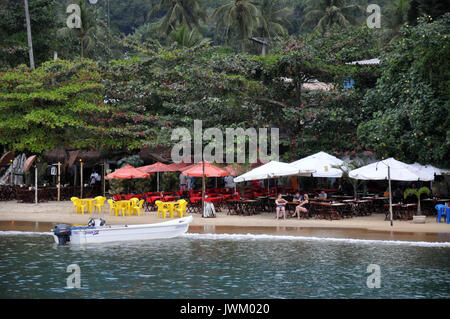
[399, 171]
[319, 165]
[269, 170]
[429, 169]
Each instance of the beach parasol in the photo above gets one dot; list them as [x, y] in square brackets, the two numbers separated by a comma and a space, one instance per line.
[319, 165]
[155, 168]
[178, 167]
[390, 169]
[204, 169]
[6, 158]
[127, 172]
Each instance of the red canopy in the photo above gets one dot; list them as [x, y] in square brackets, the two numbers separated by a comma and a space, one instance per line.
[176, 167]
[127, 172]
[234, 169]
[210, 171]
[157, 167]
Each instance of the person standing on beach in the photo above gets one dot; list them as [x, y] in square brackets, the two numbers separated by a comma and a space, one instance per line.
[182, 182]
[281, 203]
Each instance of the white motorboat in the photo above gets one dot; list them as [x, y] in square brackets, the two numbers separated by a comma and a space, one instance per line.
[97, 232]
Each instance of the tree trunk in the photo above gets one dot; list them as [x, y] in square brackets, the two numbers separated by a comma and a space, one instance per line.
[30, 42]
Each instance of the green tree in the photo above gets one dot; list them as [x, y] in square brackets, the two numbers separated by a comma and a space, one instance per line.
[410, 107]
[179, 13]
[417, 193]
[238, 16]
[273, 19]
[322, 14]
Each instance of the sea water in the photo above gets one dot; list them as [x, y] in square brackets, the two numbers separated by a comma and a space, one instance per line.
[223, 266]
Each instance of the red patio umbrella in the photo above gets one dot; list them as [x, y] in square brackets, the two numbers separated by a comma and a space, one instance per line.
[127, 172]
[204, 169]
[155, 168]
[177, 167]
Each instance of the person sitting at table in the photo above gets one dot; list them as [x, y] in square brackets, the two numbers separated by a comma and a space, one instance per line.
[300, 207]
[281, 203]
[323, 195]
[297, 197]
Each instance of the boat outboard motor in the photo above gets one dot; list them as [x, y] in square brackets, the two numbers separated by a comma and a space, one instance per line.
[96, 222]
[63, 232]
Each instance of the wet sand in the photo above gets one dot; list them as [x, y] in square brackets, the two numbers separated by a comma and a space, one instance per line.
[43, 217]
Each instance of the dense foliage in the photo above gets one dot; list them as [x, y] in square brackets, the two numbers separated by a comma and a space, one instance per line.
[154, 66]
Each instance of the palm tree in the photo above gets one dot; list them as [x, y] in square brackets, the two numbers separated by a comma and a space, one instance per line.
[86, 34]
[240, 16]
[179, 12]
[325, 13]
[185, 37]
[417, 193]
[272, 19]
[397, 15]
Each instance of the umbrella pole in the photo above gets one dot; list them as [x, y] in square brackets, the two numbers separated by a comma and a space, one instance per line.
[35, 184]
[157, 182]
[390, 195]
[59, 181]
[104, 178]
[81, 179]
[203, 188]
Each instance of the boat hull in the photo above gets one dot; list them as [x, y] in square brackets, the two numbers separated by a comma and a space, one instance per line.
[117, 233]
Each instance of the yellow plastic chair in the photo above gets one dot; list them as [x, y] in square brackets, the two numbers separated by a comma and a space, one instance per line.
[78, 204]
[113, 207]
[163, 209]
[99, 203]
[180, 207]
[137, 207]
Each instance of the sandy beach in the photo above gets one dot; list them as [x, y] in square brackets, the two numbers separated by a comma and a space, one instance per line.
[370, 227]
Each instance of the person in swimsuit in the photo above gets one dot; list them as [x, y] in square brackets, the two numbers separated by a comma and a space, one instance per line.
[299, 208]
[281, 203]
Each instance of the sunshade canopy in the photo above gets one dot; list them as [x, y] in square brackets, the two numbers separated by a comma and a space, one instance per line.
[210, 171]
[429, 169]
[269, 170]
[154, 168]
[319, 165]
[127, 172]
[399, 171]
[177, 167]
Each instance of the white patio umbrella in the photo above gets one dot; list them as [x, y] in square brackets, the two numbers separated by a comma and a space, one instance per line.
[319, 165]
[429, 169]
[390, 169]
[269, 170]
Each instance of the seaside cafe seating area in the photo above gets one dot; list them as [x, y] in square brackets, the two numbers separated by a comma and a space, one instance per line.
[249, 201]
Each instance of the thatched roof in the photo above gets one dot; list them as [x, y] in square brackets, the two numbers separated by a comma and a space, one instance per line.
[56, 155]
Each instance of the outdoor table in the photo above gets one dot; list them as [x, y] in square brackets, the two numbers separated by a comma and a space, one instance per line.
[408, 211]
[396, 211]
[169, 198]
[325, 210]
[171, 206]
[249, 206]
[343, 209]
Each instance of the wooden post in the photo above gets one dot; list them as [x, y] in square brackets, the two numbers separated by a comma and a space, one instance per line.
[59, 181]
[81, 178]
[104, 178]
[203, 188]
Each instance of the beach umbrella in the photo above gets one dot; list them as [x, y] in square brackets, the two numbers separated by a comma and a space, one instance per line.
[268, 170]
[389, 169]
[320, 164]
[6, 158]
[127, 172]
[178, 167]
[155, 168]
[429, 169]
[204, 169]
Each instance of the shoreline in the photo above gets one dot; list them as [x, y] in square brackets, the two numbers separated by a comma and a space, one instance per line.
[366, 227]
